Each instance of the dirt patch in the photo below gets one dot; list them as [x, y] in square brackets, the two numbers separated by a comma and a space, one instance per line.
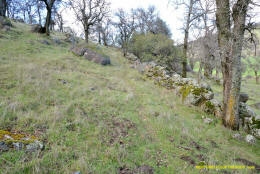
[214, 144]
[201, 157]
[119, 128]
[183, 147]
[197, 146]
[248, 163]
[144, 169]
[188, 159]
[124, 170]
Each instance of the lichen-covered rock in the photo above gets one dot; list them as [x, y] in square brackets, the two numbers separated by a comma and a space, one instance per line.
[205, 86]
[79, 51]
[245, 111]
[207, 120]
[256, 133]
[256, 121]
[212, 107]
[193, 95]
[201, 95]
[250, 139]
[36, 145]
[3, 147]
[18, 146]
[17, 141]
[97, 58]
[237, 136]
[208, 95]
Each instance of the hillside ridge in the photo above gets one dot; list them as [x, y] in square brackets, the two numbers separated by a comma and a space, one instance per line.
[102, 119]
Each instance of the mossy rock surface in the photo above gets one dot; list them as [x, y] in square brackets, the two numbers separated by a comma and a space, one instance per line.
[12, 137]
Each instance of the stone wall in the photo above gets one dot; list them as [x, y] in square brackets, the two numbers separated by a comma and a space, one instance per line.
[199, 95]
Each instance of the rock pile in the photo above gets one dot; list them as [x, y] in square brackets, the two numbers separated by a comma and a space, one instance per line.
[19, 141]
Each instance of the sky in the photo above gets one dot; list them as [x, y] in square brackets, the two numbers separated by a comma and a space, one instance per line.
[166, 11]
[173, 17]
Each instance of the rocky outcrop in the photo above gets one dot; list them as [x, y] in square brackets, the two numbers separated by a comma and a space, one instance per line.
[91, 55]
[78, 51]
[243, 97]
[97, 58]
[199, 95]
[191, 92]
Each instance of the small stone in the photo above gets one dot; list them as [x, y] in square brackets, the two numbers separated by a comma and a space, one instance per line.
[237, 136]
[205, 86]
[18, 146]
[250, 139]
[3, 147]
[36, 145]
[209, 95]
[77, 172]
[208, 120]
[8, 137]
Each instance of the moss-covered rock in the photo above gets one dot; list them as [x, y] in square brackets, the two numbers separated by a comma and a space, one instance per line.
[18, 141]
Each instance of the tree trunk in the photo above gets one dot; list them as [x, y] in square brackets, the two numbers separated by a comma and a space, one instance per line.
[86, 30]
[208, 67]
[49, 6]
[186, 37]
[200, 72]
[48, 21]
[39, 14]
[185, 48]
[230, 44]
[256, 77]
[3, 7]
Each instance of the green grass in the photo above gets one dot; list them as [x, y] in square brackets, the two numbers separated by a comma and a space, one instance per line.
[96, 119]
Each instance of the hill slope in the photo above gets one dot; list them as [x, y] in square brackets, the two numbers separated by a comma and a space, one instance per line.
[101, 119]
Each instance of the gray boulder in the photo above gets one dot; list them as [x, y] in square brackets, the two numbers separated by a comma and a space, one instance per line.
[245, 111]
[18, 146]
[79, 51]
[256, 133]
[36, 145]
[97, 58]
[237, 136]
[3, 147]
[250, 139]
[243, 97]
[208, 120]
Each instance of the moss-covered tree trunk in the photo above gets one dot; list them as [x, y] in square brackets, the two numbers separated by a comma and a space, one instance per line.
[230, 43]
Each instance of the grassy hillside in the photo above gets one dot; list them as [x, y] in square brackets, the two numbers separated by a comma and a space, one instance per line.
[101, 119]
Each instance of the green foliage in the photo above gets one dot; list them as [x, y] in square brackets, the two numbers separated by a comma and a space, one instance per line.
[148, 47]
[156, 47]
